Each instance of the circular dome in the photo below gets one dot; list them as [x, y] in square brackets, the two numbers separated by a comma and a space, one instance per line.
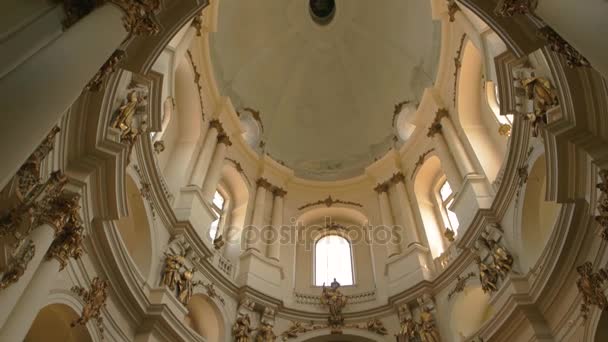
[322, 11]
[326, 94]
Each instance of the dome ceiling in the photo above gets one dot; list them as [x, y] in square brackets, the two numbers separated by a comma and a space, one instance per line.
[325, 90]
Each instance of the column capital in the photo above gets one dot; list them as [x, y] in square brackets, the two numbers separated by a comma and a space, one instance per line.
[68, 243]
[58, 209]
[398, 177]
[382, 187]
[264, 183]
[440, 114]
[215, 123]
[29, 174]
[434, 129]
[224, 139]
[278, 192]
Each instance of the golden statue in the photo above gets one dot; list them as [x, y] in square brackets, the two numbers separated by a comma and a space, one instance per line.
[265, 333]
[124, 117]
[544, 97]
[487, 276]
[94, 302]
[185, 286]
[335, 301]
[428, 330]
[503, 260]
[294, 329]
[171, 272]
[591, 287]
[408, 331]
[241, 329]
[376, 326]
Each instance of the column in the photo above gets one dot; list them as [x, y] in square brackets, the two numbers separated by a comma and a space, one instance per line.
[274, 246]
[392, 247]
[458, 151]
[41, 237]
[55, 77]
[215, 168]
[31, 301]
[253, 235]
[202, 164]
[447, 162]
[411, 230]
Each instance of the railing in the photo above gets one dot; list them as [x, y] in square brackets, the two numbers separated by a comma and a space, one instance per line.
[224, 265]
[358, 298]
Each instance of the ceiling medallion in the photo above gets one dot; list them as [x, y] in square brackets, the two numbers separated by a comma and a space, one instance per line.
[322, 11]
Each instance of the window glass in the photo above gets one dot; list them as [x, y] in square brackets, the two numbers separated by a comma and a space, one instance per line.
[447, 198]
[333, 259]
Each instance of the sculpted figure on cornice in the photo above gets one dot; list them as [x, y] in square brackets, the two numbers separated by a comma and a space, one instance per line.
[543, 95]
[242, 329]
[335, 301]
[602, 207]
[408, 331]
[493, 259]
[126, 119]
[428, 328]
[376, 326]
[106, 70]
[294, 330]
[265, 332]
[488, 277]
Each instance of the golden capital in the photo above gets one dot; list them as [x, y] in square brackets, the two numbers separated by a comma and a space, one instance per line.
[398, 178]
[264, 183]
[434, 129]
[383, 187]
[215, 123]
[29, 174]
[224, 139]
[140, 18]
[68, 242]
[279, 192]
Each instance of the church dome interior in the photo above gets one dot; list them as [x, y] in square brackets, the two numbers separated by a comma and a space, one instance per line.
[303, 171]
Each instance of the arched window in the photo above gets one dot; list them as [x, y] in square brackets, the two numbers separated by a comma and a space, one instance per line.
[333, 260]
[219, 206]
[493, 100]
[446, 198]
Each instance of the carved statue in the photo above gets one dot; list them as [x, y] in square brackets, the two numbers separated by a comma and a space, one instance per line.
[171, 272]
[487, 276]
[503, 260]
[265, 333]
[376, 326]
[94, 302]
[294, 329]
[591, 286]
[335, 301]
[408, 331]
[428, 328]
[125, 117]
[185, 287]
[543, 95]
[241, 329]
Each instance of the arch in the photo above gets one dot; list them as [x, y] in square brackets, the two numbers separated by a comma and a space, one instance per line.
[537, 215]
[348, 334]
[424, 187]
[333, 252]
[135, 229]
[311, 216]
[52, 324]
[476, 117]
[206, 319]
[237, 192]
[469, 310]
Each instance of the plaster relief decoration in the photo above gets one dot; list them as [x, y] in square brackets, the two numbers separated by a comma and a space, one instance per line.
[94, 302]
[457, 67]
[335, 302]
[242, 329]
[543, 96]
[398, 109]
[197, 82]
[602, 208]
[509, 8]
[28, 175]
[376, 326]
[197, 23]
[452, 9]
[140, 18]
[592, 286]
[109, 67]
[461, 283]
[558, 45]
[265, 332]
[420, 161]
[357, 298]
[20, 258]
[493, 259]
[329, 202]
[131, 118]
[425, 329]
[178, 272]
[68, 242]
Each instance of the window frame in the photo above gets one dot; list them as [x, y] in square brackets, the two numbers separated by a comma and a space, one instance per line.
[220, 212]
[352, 259]
[443, 205]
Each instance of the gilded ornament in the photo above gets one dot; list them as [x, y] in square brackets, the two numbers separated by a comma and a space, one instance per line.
[94, 302]
[265, 332]
[509, 8]
[335, 302]
[428, 328]
[461, 283]
[197, 82]
[602, 207]
[409, 331]
[110, 66]
[449, 234]
[488, 277]
[159, 146]
[140, 18]
[592, 286]
[420, 161]
[29, 174]
[242, 329]
[434, 129]
[255, 114]
[558, 45]
[452, 9]
[543, 95]
[18, 264]
[124, 120]
[68, 242]
[505, 130]
[197, 23]
[376, 326]
[330, 202]
[398, 108]
[294, 330]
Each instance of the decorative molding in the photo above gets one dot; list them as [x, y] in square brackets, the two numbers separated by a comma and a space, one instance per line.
[543, 95]
[279, 192]
[358, 298]
[383, 187]
[20, 259]
[29, 174]
[602, 206]
[420, 161]
[559, 45]
[510, 8]
[461, 283]
[68, 242]
[109, 67]
[140, 18]
[159, 146]
[94, 302]
[452, 9]
[264, 183]
[223, 138]
[591, 286]
[197, 23]
[197, 82]
[398, 108]
[457, 67]
[330, 202]
[434, 129]
[255, 114]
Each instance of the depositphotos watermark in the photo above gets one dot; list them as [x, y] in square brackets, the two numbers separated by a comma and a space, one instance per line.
[308, 235]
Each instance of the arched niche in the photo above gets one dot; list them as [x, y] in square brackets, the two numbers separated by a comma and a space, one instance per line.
[538, 215]
[424, 185]
[469, 311]
[476, 117]
[52, 324]
[206, 319]
[135, 229]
